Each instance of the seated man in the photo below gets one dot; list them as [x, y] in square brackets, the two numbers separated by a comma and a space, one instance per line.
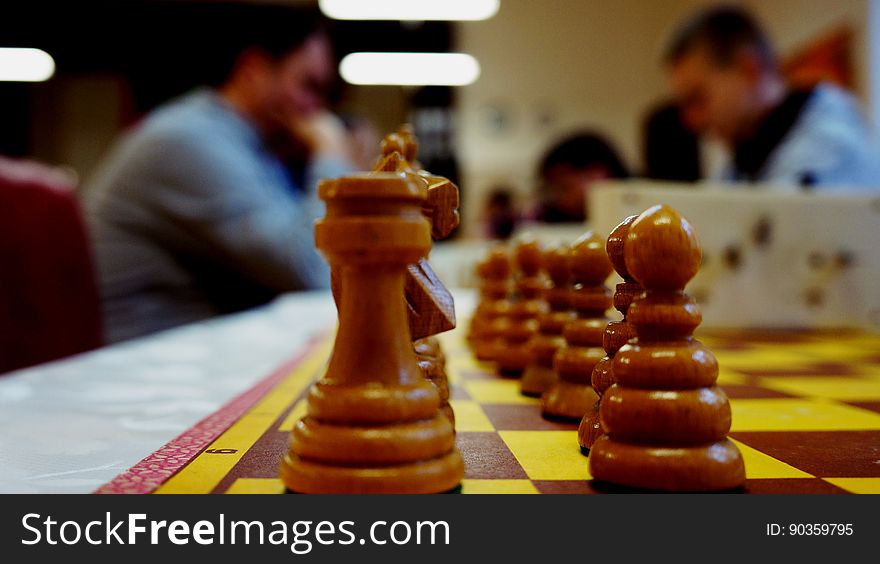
[727, 83]
[194, 213]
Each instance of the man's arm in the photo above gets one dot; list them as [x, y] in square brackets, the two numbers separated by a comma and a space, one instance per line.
[233, 209]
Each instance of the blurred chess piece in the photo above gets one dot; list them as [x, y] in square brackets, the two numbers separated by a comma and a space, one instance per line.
[539, 375]
[666, 419]
[490, 316]
[513, 355]
[572, 396]
[617, 333]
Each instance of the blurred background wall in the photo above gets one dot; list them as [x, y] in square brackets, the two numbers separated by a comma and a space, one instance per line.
[548, 67]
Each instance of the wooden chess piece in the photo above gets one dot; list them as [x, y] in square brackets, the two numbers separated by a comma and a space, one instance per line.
[373, 422]
[490, 316]
[432, 361]
[512, 355]
[430, 307]
[666, 421]
[617, 333]
[539, 375]
[572, 396]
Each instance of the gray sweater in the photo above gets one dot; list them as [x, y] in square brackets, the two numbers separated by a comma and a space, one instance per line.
[191, 216]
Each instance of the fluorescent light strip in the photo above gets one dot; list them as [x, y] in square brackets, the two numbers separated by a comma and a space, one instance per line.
[25, 65]
[410, 10]
[410, 69]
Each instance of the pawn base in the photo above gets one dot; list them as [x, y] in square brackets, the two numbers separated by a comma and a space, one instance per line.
[537, 379]
[567, 400]
[512, 358]
[712, 467]
[435, 475]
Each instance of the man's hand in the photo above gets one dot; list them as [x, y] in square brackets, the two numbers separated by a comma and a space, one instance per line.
[323, 134]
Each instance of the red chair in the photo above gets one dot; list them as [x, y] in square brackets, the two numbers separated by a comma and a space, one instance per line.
[49, 305]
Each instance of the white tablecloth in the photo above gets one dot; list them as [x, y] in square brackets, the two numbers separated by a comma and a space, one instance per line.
[72, 425]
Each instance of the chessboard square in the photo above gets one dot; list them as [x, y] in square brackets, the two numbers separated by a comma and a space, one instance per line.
[833, 348]
[299, 411]
[726, 376]
[548, 455]
[869, 405]
[761, 466]
[498, 487]
[770, 359]
[459, 369]
[524, 418]
[257, 486]
[799, 415]
[869, 370]
[469, 416]
[566, 486]
[824, 454]
[497, 391]
[857, 485]
[487, 457]
[458, 392]
[839, 388]
[791, 486]
[738, 391]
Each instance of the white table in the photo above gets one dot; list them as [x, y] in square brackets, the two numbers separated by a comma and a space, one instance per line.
[72, 425]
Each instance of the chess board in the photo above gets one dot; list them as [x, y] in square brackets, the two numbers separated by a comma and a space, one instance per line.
[806, 416]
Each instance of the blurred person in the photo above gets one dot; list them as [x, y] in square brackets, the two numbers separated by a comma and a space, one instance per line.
[671, 151]
[568, 170]
[727, 82]
[364, 142]
[195, 212]
[500, 214]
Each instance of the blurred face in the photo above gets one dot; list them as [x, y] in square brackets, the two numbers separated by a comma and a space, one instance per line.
[569, 186]
[295, 86]
[714, 99]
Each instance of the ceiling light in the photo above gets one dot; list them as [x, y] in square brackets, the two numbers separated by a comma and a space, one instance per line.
[410, 10]
[25, 65]
[410, 69]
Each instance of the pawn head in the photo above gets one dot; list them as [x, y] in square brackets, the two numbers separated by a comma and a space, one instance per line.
[589, 261]
[661, 250]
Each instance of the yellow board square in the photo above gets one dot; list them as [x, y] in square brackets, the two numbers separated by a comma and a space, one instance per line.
[857, 485]
[548, 455]
[498, 487]
[469, 416]
[497, 391]
[257, 486]
[870, 370]
[760, 465]
[799, 415]
[853, 389]
[726, 376]
[836, 350]
[298, 412]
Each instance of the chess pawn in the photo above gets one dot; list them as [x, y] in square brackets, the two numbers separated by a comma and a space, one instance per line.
[432, 361]
[489, 320]
[373, 422]
[666, 421]
[512, 355]
[539, 375]
[617, 333]
[572, 396]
